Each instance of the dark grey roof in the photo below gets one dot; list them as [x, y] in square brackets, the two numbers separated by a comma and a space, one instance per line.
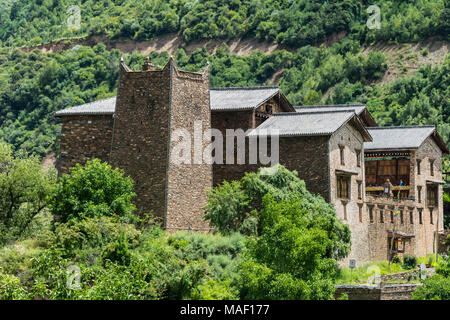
[240, 98]
[357, 108]
[346, 171]
[105, 106]
[220, 99]
[398, 137]
[436, 181]
[304, 124]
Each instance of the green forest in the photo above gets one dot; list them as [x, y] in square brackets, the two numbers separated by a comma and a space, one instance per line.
[274, 239]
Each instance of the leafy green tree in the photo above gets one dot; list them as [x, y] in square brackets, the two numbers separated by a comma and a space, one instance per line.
[93, 190]
[233, 205]
[294, 257]
[25, 190]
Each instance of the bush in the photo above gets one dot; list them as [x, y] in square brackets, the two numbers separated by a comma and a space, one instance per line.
[25, 189]
[294, 257]
[10, 288]
[118, 252]
[94, 190]
[409, 262]
[396, 259]
[436, 287]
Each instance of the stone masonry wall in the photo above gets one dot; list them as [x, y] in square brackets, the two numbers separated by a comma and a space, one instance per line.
[425, 232]
[245, 120]
[188, 183]
[223, 120]
[351, 140]
[141, 133]
[309, 157]
[84, 138]
[379, 229]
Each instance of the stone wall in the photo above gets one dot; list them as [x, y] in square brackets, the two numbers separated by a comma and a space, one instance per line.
[223, 120]
[309, 157]
[244, 120]
[386, 292]
[351, 140]
[188, 183]
[141, 135]
[425, 233]
[379, 230]
[83, 138]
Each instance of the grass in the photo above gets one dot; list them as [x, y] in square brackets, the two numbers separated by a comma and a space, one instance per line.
[429, 259]
[360, 275]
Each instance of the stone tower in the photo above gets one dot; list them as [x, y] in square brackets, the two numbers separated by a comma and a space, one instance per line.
[151, 105]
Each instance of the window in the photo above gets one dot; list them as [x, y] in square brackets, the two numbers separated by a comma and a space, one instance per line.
[411, 217]
[359, 189]
[392, 216]
[418, 166]
[401, 217]
[420, 216]
[341, 149]
[432, 195]
[360, 212]
[431, 215]
[370, 214]
[358, 158]
[419, 193]
[432, 167]
[381, 216]
[343, 187]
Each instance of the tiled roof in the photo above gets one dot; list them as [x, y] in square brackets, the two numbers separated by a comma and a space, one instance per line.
[357, 108]
[105, 106]
[220, 99]
[398, 137]
[240, 98]
[304, 124]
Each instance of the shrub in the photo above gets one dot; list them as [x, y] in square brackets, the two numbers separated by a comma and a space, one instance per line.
[10, 288]
[215, 290]
[118, 252]
[396, 259]
[436, 287]
[25, 189]
[94, 190]
[409, 262]
[91, 233]
[293, 258]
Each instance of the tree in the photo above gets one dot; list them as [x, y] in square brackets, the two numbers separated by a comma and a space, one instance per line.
[25, 189]
[294, 257]
[94, 190]
[235, 206]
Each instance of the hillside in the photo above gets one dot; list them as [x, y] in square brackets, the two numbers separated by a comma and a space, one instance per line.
[316, 53]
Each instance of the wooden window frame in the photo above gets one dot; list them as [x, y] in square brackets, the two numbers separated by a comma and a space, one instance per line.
[342, 154]
[358, 158]
[340, 179]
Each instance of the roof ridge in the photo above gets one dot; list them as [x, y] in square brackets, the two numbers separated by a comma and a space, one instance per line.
[306, 113]
[95, 101]
[403, 127]
[245, 88]
[330, 105]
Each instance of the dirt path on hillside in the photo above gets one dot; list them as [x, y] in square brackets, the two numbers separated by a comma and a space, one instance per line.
[406, 58]
[169, 43]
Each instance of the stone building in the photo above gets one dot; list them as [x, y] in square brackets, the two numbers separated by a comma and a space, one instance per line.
[338, 150]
